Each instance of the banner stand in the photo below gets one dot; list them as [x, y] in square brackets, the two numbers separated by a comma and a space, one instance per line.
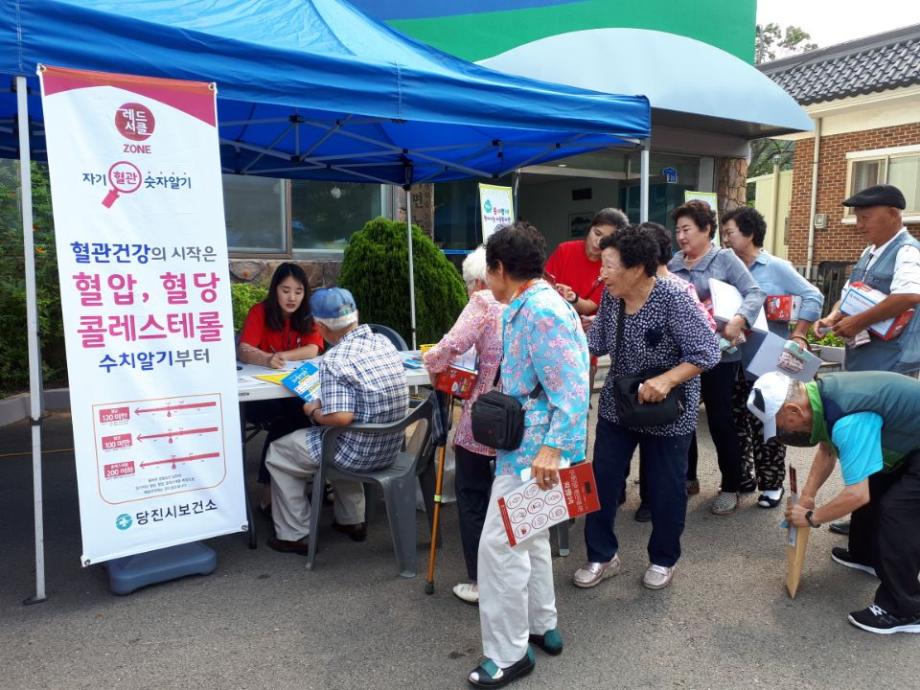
[35, 367]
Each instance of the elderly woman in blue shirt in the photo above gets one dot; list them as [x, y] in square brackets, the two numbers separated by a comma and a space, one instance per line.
[743, 231]
[697, 261]
[543, 344]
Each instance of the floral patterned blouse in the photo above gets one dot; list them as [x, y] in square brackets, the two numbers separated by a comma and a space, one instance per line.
[543, 341]
[669, 329]
[479, 325]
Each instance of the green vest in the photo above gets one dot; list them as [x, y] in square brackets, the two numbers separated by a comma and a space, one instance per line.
[894, 397]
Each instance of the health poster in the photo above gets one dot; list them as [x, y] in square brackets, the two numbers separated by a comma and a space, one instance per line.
[145, 294]
[496, 207]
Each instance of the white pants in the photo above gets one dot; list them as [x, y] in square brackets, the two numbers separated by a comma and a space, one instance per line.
[516, 596]
[291, 466]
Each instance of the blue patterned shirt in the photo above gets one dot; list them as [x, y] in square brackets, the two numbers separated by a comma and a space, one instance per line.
[543, 341]
[668, 330]
[364, 374]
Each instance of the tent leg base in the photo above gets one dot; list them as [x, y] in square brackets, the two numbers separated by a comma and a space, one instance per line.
[30, 601]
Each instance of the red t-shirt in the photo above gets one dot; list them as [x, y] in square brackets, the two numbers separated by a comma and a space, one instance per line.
[256, 333]
[570, 266]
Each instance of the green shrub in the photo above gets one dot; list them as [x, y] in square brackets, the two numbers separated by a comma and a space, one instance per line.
[375, 268]
[244, 296]
[14, 346]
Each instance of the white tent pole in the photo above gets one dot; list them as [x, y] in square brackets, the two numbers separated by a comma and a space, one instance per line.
[35, 366]
[411, 265]
[643, 182]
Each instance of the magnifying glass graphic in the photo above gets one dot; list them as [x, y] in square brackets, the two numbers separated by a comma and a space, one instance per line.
[125, 178]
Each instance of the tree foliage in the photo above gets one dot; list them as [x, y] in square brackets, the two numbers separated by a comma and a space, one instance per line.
[14, 368]
[375, 268]
[770, 40]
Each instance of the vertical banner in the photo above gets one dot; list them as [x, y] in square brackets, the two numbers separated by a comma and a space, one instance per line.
[496, 207]
[145, 294]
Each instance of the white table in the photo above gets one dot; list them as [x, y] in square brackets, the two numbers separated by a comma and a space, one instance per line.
[252, 389]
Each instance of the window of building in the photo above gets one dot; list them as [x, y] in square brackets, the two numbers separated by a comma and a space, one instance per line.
[325, 214]
[273, 217]
[896, 166]
[255, 209]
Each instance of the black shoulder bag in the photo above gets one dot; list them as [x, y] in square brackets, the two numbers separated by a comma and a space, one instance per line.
[631, 412]
[497, 419]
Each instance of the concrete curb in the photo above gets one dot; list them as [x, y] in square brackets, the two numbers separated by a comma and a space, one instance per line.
[16, 408]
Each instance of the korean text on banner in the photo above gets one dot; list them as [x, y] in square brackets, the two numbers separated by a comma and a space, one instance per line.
[145, 295]
[496, 207]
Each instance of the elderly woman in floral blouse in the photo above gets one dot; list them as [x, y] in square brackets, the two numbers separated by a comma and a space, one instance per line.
[479, 327]
[542, 344]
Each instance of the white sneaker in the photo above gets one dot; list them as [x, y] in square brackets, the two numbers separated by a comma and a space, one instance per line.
[468, 592]
[657, 576]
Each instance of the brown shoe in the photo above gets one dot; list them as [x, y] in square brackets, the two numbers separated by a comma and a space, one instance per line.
[355, 532]
[300, 547]
[693, 487]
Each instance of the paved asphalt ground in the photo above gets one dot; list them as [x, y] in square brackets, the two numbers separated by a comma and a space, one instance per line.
[262, 621]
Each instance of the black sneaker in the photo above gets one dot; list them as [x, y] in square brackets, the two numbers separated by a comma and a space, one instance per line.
[843, 557]
[877, 620]
[643, 514]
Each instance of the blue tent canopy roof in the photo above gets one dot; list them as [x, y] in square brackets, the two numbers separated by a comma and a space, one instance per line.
[315, 89]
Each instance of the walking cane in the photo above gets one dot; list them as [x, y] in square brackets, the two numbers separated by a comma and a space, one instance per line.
[439, 481]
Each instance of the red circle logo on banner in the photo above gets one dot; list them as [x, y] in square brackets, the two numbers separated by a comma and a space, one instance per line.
[135, 121]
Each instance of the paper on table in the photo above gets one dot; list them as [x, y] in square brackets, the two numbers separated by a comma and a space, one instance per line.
[727, 301]
[767, 358]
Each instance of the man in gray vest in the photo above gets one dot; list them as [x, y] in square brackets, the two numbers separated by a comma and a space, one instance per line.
[891, 263]
[867, 421]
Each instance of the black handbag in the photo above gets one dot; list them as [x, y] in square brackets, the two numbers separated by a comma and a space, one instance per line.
[497, 419]
[631, 412]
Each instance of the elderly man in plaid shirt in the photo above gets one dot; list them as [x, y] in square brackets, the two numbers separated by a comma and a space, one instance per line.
[362, 380]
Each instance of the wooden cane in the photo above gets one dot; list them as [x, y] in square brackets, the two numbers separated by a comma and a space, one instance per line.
[438, 484]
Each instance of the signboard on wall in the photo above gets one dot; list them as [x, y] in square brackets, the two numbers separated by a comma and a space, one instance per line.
[496, 207]
[145, 296]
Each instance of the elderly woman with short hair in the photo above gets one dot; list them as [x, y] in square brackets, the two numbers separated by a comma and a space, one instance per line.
[649, 327]
[543, 344]
[697, 261]
[479, 327]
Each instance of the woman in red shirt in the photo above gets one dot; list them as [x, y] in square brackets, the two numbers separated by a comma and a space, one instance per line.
[278, 329]
[575, 266]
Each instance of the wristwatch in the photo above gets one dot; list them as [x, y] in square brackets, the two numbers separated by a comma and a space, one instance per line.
[573, 301]
[808, 519]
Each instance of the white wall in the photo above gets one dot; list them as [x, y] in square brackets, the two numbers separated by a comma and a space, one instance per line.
[548, 203]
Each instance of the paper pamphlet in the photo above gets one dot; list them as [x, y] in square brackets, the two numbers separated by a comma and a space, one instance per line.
[528, 509]
[796, 543]
[859, 297]
[273, 378]
[773, 354]
[726, 302]
[304, 381]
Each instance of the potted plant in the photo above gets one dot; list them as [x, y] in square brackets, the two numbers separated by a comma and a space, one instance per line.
[830, 347]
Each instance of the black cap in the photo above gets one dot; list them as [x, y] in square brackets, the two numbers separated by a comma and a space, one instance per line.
[877, 195]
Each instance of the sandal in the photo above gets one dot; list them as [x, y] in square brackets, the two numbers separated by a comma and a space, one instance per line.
[766, 502]
[489, 675]
[550, 641]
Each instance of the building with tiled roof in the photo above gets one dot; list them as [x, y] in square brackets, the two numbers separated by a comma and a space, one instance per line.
[864, 98]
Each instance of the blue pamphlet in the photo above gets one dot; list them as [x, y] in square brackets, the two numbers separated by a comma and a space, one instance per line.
[304, 381]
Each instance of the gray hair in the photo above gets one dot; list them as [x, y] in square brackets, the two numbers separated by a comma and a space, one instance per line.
[474, 266]
[339, 323]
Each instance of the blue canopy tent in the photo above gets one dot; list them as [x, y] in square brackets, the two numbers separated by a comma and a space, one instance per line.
[309, 89]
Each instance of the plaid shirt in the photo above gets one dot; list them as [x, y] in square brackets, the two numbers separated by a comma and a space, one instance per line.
[362, 374]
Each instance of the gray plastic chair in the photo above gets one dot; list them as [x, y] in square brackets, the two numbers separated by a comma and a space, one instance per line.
[398, 341]
[396, 483]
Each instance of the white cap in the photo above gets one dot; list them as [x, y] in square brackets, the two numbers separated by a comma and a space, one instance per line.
[767, 397]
